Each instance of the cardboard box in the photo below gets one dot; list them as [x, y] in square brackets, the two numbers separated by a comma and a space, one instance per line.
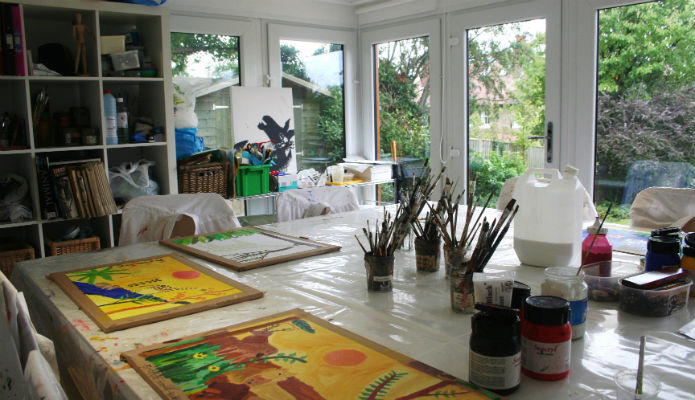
[112, 44]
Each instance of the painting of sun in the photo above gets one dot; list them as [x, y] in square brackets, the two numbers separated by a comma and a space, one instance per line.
[290, 355]
[131, 293]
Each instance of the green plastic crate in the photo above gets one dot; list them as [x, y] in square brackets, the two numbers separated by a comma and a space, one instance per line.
[252, 180]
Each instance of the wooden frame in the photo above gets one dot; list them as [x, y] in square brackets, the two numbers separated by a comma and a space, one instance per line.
[253, 257]
[289, 354]
[188, 289]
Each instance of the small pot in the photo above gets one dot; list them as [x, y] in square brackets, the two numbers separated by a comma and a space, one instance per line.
[462, 290]
[427, 254]
[379, 272]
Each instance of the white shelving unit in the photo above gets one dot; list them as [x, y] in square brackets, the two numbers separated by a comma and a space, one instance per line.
[51, 22]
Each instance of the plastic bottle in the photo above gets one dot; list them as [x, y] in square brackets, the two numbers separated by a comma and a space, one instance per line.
[548, 226]
[110, 118]
[495, 349]
[121, 120]
[566, 283]
[546, 338]
[602, 250]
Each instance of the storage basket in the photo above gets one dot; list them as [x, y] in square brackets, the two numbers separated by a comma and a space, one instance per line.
[9, 257]
[73, 246]
[203, 178]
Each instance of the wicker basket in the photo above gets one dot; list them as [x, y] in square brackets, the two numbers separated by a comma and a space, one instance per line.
[203, 178]
[73, 246]
[8, 258]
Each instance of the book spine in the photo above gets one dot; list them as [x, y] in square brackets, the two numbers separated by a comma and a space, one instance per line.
[7, 40]
[18, 42]
[48, 206]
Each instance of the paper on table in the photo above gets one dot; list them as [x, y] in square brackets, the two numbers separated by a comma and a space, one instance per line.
[688, 330]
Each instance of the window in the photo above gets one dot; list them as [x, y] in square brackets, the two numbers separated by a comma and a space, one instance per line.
[314, 71]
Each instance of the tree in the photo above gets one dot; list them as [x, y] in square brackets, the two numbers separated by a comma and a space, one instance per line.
[291, 63]
[224, 49]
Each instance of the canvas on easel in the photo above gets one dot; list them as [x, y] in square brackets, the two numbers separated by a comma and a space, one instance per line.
[265, 115]
[137, 292]
[248, 247]
[290, 355]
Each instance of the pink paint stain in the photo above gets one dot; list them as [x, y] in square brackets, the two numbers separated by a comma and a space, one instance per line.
[79, 324]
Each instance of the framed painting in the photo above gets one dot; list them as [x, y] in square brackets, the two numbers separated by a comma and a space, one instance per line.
[249, 247]
[289, 355]
[265, 115]
[132, 293]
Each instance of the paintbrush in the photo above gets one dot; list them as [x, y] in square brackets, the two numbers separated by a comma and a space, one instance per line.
[586, 254]
[640, 368]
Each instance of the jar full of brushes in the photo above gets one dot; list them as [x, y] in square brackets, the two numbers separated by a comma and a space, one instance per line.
[379, 272]
[454, 256]
[461, 283]
[427, 254]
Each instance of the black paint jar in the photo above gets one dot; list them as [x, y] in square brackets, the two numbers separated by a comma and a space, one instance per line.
[495, 349]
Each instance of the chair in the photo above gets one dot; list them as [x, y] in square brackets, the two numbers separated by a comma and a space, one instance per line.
[149, 218]
[310, 202]
[659, 207]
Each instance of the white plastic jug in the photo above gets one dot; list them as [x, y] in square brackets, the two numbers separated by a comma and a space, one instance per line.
[548, 226]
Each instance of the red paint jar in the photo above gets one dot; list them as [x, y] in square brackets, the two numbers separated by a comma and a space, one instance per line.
[546, 337]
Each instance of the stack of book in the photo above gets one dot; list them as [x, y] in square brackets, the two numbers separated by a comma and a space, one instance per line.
[74, 189]
[12, 54]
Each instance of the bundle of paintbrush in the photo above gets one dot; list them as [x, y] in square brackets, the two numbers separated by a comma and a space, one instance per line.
[385, 238]
[490, 236]
[415, 199]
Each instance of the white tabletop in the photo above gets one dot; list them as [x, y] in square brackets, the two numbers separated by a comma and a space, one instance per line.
[415, 318]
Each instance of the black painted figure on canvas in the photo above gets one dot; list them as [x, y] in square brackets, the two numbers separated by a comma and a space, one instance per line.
[281, 138]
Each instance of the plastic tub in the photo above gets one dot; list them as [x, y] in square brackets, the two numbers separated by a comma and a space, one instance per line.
[603, 278]
[654, 303]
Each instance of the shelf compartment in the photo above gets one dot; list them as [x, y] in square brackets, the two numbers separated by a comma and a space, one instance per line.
[13, 102]
[20, 165]
[44, 25]
[21, 236]
[149, 32]
[63, 96]
[143, 99]
[158, 154]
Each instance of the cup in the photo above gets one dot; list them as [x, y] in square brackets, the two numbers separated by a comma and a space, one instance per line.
[453, 258]
[427, 254]
[462, 289]
[626, 381]
[379, 272]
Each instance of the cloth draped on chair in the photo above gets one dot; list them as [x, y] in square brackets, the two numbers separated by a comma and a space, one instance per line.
[310, 202]
[149, 218]
[660, 207]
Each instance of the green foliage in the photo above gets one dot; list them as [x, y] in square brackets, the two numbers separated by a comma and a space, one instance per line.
[225, 50]
[620, 213]
[105, 273]
[331, 127]
[380, 387]
[303, 325]
[646, 46]
[291, 63]
[491, 174]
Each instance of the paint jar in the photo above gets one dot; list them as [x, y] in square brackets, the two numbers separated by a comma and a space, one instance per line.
[601, 250]
[453, 257]
[379, 272]
[566, 283]
[662, 251]
[546, 338]
[495, 349]
[462, 290]
[427, 254]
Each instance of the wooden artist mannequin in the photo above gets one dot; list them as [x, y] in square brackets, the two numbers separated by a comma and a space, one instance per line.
[78, 30]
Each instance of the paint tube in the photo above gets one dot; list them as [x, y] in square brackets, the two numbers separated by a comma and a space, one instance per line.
[493, 287]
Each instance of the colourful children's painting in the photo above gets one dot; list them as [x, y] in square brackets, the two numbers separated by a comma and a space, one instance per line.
[291, 355]
[131, 293]
[250, 247]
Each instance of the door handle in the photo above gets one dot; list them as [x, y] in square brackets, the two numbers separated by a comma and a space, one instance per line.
[548, 141]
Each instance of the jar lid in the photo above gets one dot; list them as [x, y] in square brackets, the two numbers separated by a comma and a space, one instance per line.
[594, 228]
[690, 239]
[689, 251]
[493, 321]
[546, 310]
[664, 244]
[520, 291]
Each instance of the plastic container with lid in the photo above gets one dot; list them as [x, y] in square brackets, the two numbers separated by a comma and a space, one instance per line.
[564, 282]
[495, 349]
[548, 226]
[546, 338]
[601, 250]
[606, 286]
[659, 302]
[662, 251]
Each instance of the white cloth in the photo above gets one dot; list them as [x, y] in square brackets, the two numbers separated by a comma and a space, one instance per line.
[42, 383]
[659, 207]
[149, 218]
[589, 211]
[303, 203]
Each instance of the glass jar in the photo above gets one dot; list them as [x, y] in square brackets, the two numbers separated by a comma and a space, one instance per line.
[566, 283]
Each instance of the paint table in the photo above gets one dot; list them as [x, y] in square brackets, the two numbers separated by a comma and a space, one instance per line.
[415, 319]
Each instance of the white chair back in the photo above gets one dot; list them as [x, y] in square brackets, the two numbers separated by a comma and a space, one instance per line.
[303, 203]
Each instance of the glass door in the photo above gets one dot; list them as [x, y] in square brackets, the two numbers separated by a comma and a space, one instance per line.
[507, 103]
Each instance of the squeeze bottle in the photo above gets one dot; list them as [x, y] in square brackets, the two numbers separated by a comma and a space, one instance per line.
[110, 118]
